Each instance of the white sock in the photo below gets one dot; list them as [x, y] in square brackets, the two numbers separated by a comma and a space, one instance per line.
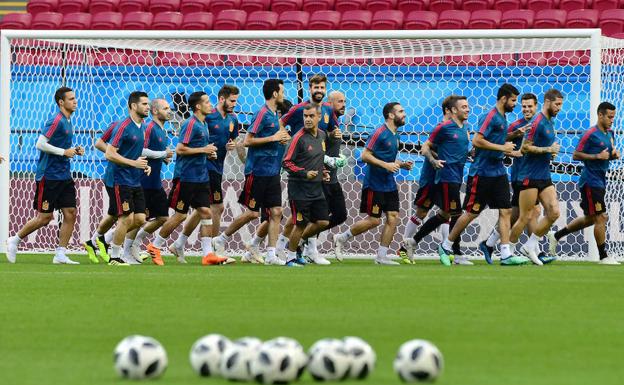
[95, 237]
[382, 252]
[60, 250]
[411, 227]
[159, 241]
[181, 241]
[444, 230]
[270, 252]
[257, 241]
[127, 245]
[282, 242]
[108, 237]
[312, 243]
[493, 238]
[16, 239]
[346, 235]
[447, 245]
[505, 250]
[224, 237]
[141, 234]
[206, 244]
[292, 255]
[115, 251]
[531, 244]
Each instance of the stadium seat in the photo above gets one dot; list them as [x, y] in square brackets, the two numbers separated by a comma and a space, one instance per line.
[583, 18]
[123, 58]
[194, 6]
[72, 6]
[550, 18]
[78, 20]
[439, 6]
[453, 19]
[137, 20]
[601, 5]
[280, 6]
[485, 19]
[187, 59]
[517, 19]
[167, 21]
[499, 60]
[262, 20]
[217, 6]
[476, 5]
[16, 21]
[293, 20]
[350, 5]
[408, 6]
[230, 19]
[421, 20]
[616, 36]
[324, 20]
[357, 19]
[312, 6]
[47, 20]
[564, 58]
[531, 59]
[127, 6]
[197, 21]
[539, 5]
[612, 21]
[250, 6]
[387, 19]
[509, 5]
[37, 6]
[408, 61]
[158, 6]
[107, 21]
[97, 6]
[571, 5]
[380, 5]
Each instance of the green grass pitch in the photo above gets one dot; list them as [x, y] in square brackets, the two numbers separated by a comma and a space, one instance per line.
[558, 324]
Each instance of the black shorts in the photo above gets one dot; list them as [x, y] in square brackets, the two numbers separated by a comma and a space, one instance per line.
[184, 195]
[265, 214]
[216, 192]
[539, 184]
[261, 191]
[303, 212]
[592, 200]
[335, 202]
[375, 202]
[515, 197]
[52, 195]
[425, 196]
[447, 197]
[156, 203]
[124, 200]
[487, 191]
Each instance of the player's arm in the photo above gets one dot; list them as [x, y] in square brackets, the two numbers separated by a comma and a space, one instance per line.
[44, 146]
[529, 148]
[252, 141]
[428, 154]
[289, 162]
[479, 141]
[517, 133]
[185, 150]
[101, 145]
[369, 158]
[583, 156]
[113, 155]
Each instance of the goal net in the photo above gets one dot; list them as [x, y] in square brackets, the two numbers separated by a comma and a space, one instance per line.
[416, 68]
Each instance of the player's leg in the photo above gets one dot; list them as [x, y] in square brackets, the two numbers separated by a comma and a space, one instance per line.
[283, 239]
[370, 205]
[336, 205]
[526, 202]
[422, 203]
[319, 221]
[252, 248]
[101, 238]
[205, 232]
[65, 200]
[387, 233]
[548, 197]
[487, 247]
[157, 212]
[299, 217]
[270, 195]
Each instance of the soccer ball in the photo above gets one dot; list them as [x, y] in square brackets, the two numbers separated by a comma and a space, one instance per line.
[299, 356]
[320, 344]
[275, 364]
[363, 357]
[329, 361]
[236, 359]
[418, 361]
[139, 357]
[206, 354]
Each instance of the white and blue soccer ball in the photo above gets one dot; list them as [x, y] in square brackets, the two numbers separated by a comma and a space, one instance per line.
[138, 357]
[206, 353]
[418, 361]
[237, 358]
[297, 352]
[363, 357]
[329, 360]
[275, 364]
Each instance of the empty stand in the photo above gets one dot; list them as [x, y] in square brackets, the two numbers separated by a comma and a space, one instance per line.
[16, 21]
[485, 19]
[250, 6]
[312, 6]
[137, 20]
[509, 5]
[550, 18]
[324, 20]
[167, 21]
[217, 6]
[601, 5]
[37, 6]
[388, 19]
[280, 6]
[408, 6]
[350, 5]
[293, 20]
[47, 20]
[583, 18]
[262, 20]
[421, 20]
[539, 5]
[97, 6]
[358, 19]
[612, 21]
[476, 5]
[380, 5]
[192, 6]
[440, 6]
[72, 6]
[77, 20]
[127, 6]
[158, 6]
[230, 19]
[570, 5]
[107, 21]
[517, 19]
[198, 21]
[453, 19]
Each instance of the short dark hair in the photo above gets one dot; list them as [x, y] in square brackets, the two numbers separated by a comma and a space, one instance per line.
[284, 107]
[317, 79]
[135, 97]
[529, 96]
[447, 103]
[270, 86]
[227, 90]
[194, 99]
[604, 107]
[312, 106]
[455, 99]
[60, 94]
[506, 90]
[388, 108]
[553, 94]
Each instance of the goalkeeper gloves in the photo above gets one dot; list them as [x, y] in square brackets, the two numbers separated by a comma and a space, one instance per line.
[335, 162]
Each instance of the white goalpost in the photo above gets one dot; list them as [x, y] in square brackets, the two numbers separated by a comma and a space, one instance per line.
[416, 68]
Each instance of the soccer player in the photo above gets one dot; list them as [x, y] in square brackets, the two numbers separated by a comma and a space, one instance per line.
[266, 140]
[539, 147]
[487, 183]
[304, 163]
[124, 153]
[191, 184]
[595, 149]
[380, 193]
[54, 187]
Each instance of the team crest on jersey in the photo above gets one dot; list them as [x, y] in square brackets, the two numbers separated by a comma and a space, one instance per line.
[180, 205]
[299, 217]
[323, 145]
[453, 205]
[216, 195]
[252, 203]
[125, 206]
[45, 205]
[598, 206]
[326, 118]
[427, 202]
[376, 209]
[231, 126]
[476, 207]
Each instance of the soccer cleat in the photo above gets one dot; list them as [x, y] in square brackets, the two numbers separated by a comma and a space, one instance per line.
[62, 259]
[385, 261]
[11, 250]
[129, 259]
[303, 260]
[154, 252]
[273, 261]
[135, 254]
[178, 252]
[213, 259]
[218, 245]
[293, 263]
[117, 262]
[531, 255]
[552, 243]
[545, 258]
[103, 249]
[461, 260]
[487, 252]
[252, 255]
[457, 249]
[446, 257]
[88, 245]
[320, 260]
[402, 253]
[513, 260]
[339, 243]
[610, 260]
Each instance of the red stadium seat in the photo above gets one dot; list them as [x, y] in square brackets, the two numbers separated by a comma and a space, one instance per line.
[16, 21]
[127, 6]
[137, 20]
[616, 36]
[440, 6]
[123, 58]
[280, 6]
[453, 19]
[517, 19]
[485, 19]
[583, 18]
[72, 6]
[197, 21]
[357, 19]
[37, 6]
[476, 5]
[612, 21]
[187, 59]
[97, 6]
[318, 5]
[193, 6]
[531, 59]
[230, 19]
[77, 20]
[380, 5]
[158, 6]
[539, 5]
[388, 19]
[217, 6]
[168, 21]
[293, 20]
[408, 61]
[509, 5]
[499, 60]
[571, 5]
[262, 20]
[107, 21]
[250, 6]
[408, 6]
[47, 20]
[550, 18]
[350, 5]
[421, 20]
[601, 5]
[324, 20]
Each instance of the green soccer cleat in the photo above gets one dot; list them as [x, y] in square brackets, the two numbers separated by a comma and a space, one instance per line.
[514, 260]
[103, 248]
[88, 245]
[446, 257]
[404, 257]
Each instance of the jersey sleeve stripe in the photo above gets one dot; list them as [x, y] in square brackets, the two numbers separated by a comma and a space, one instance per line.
[534, 126]
[375, 136]
[109, 131]
[292, 111]
[513, 126]
[487, 121]
[54, 125]
[581, 145]
[259, 118]
[288, 163]
[119, 133]
[436, 131]
[189, 131]
[148, 133]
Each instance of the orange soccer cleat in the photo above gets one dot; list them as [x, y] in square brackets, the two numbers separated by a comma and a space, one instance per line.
[155, 254]
[213, 259]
